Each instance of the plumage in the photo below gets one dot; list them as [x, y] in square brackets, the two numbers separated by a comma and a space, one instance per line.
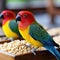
[39, 33]
[34, 33]
[9, 31]
[29, 38]
[14, 26]
[9, 25]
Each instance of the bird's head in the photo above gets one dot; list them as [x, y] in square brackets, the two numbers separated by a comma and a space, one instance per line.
[7, 14]
[25, 18]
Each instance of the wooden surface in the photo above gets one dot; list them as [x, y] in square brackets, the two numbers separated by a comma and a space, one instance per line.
[40, 55]
[5, 57]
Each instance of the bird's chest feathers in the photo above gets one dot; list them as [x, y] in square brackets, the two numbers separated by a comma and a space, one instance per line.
[7, 31]
[25, 33]
[28, 38]
[4, 21]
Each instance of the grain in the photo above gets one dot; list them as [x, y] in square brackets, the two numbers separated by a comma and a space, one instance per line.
[17, 47]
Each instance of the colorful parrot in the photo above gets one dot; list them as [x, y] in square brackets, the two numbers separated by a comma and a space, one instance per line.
[34, 33]
[9, 25]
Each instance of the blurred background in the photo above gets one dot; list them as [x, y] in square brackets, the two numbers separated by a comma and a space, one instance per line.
[46, 12]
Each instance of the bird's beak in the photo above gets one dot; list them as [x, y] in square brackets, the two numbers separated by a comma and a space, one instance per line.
[1, 16]
[18, 18]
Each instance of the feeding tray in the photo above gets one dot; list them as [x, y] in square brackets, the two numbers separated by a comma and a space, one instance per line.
[40, 55]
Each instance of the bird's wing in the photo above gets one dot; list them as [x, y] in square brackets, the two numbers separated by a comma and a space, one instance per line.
[39, 33]
[14, 26]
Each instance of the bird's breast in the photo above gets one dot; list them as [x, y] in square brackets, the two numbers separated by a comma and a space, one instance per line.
[7, 31]
[25, 34]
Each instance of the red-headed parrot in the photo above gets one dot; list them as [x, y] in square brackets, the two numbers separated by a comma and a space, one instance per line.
[34, 33]
[9, 25]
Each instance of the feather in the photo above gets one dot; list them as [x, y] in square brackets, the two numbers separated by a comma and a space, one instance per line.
[39, 33]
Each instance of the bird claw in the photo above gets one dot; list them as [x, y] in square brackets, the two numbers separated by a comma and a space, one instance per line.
[28, 45]
[33, 51]
[12, 39]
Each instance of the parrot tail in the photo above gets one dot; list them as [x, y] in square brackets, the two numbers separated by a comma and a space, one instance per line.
[53, 51]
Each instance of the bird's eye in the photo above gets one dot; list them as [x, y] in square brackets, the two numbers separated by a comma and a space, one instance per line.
[25, 15]
[7, 14]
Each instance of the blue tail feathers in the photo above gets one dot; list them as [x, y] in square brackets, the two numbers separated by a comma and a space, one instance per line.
[53, 51]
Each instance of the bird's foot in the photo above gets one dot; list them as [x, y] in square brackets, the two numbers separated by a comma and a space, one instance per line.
[33, 51]
[28, 45]
[12, 39]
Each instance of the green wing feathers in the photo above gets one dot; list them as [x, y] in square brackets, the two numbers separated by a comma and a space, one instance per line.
[38, 32]
[14, 26]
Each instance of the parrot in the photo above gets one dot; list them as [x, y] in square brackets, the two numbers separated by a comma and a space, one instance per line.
[34, 33]
[9, 25]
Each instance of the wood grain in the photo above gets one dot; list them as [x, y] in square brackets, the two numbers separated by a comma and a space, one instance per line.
[40, 55]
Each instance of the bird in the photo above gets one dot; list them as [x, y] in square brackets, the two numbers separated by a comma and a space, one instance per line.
[34, 33]
[9, 25]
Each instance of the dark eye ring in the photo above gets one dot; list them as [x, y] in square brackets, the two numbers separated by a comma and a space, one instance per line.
[25, 15]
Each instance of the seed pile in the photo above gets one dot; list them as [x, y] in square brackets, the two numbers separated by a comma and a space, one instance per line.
[17, 47]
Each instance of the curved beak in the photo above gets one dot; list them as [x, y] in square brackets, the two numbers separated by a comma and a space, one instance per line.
[18, 18]
[1, 16]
